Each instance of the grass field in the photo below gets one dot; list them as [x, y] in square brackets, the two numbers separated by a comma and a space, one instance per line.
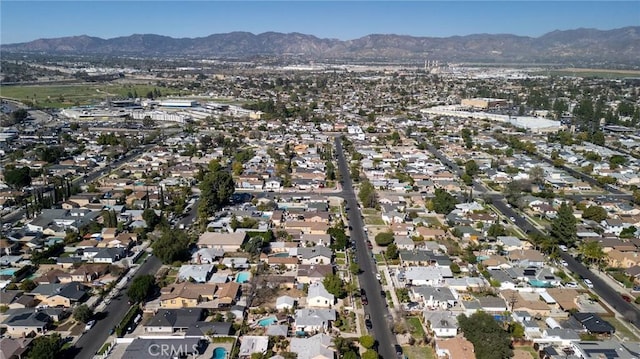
[601, 73]
[376, 221]
[71, 95]
[418, 352]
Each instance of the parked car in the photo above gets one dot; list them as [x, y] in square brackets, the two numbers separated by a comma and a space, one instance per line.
[367, 322]
[627, 298]
[398, 349]
[364, 299]
[571, 285]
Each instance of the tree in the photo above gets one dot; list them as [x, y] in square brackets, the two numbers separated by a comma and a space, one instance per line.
[148, 122]
[455, 268]
[367, 194]
[28, 285]
[141, 288]
[591, 251]
[516, 330]
[628, 232]
[595, 213]
[150, 218]
[617, 160]
[173, 245]
[19, 115]
[367, 341]
[403, 295]
[46, 347]
[354, 268]
[340, 238]
[471, 168]
[392, 252]
[496, 230]
[82, 313]
[216, 190]
[489, 339]
[17, 177]
[384, 238]
[443, 202]
[536, 174]
[563, 227]
[334, 285]
[370, 354]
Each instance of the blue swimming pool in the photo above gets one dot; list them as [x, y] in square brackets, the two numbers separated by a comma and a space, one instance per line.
[219, 353]
[539, 283]
[8, 271]
[243, 277]
[266, 321]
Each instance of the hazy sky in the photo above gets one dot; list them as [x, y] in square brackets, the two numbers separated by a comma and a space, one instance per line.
[29, 20]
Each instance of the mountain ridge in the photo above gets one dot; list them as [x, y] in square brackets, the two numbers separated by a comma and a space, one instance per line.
[584, 45]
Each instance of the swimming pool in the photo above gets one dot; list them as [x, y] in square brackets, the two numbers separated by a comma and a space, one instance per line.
[266, 321]
[243, 277]
[539, 283]
[219, 353]
[8, 271]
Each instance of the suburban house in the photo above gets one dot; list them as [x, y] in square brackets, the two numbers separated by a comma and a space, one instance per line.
[309, 273]
[444, 324]
[229, 242]
[318, 297]
[186, 295]
[169, 321]
[60, 294]
[314, 320]
[315, 255]
[21, 323]
[318, 346]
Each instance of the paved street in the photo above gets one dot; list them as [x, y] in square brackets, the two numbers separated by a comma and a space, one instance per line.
[87, 346]
[376, 308]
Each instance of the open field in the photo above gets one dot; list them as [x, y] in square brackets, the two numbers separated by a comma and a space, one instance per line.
[80, 94]
[601, 73]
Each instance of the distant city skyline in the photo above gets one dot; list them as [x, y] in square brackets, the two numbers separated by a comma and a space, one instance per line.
[23, 21]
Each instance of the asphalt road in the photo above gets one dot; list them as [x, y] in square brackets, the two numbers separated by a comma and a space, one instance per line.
[601, 288]
[87, 346]
[376, 308]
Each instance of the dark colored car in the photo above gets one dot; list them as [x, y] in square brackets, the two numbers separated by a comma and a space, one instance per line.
[627, 298]
[398, 349]
[364, 299]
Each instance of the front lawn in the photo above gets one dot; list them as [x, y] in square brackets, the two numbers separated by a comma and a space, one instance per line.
[415, 327]
[418, 352]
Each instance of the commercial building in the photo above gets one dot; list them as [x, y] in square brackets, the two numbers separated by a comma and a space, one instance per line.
[484, 103]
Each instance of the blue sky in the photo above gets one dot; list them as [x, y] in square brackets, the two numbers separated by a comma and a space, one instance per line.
[29, 20]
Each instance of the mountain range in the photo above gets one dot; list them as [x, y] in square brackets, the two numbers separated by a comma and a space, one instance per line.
[584, 46]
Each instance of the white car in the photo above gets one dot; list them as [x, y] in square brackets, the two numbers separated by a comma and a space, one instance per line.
[571, 285]
[89, 325]
[588, 283]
